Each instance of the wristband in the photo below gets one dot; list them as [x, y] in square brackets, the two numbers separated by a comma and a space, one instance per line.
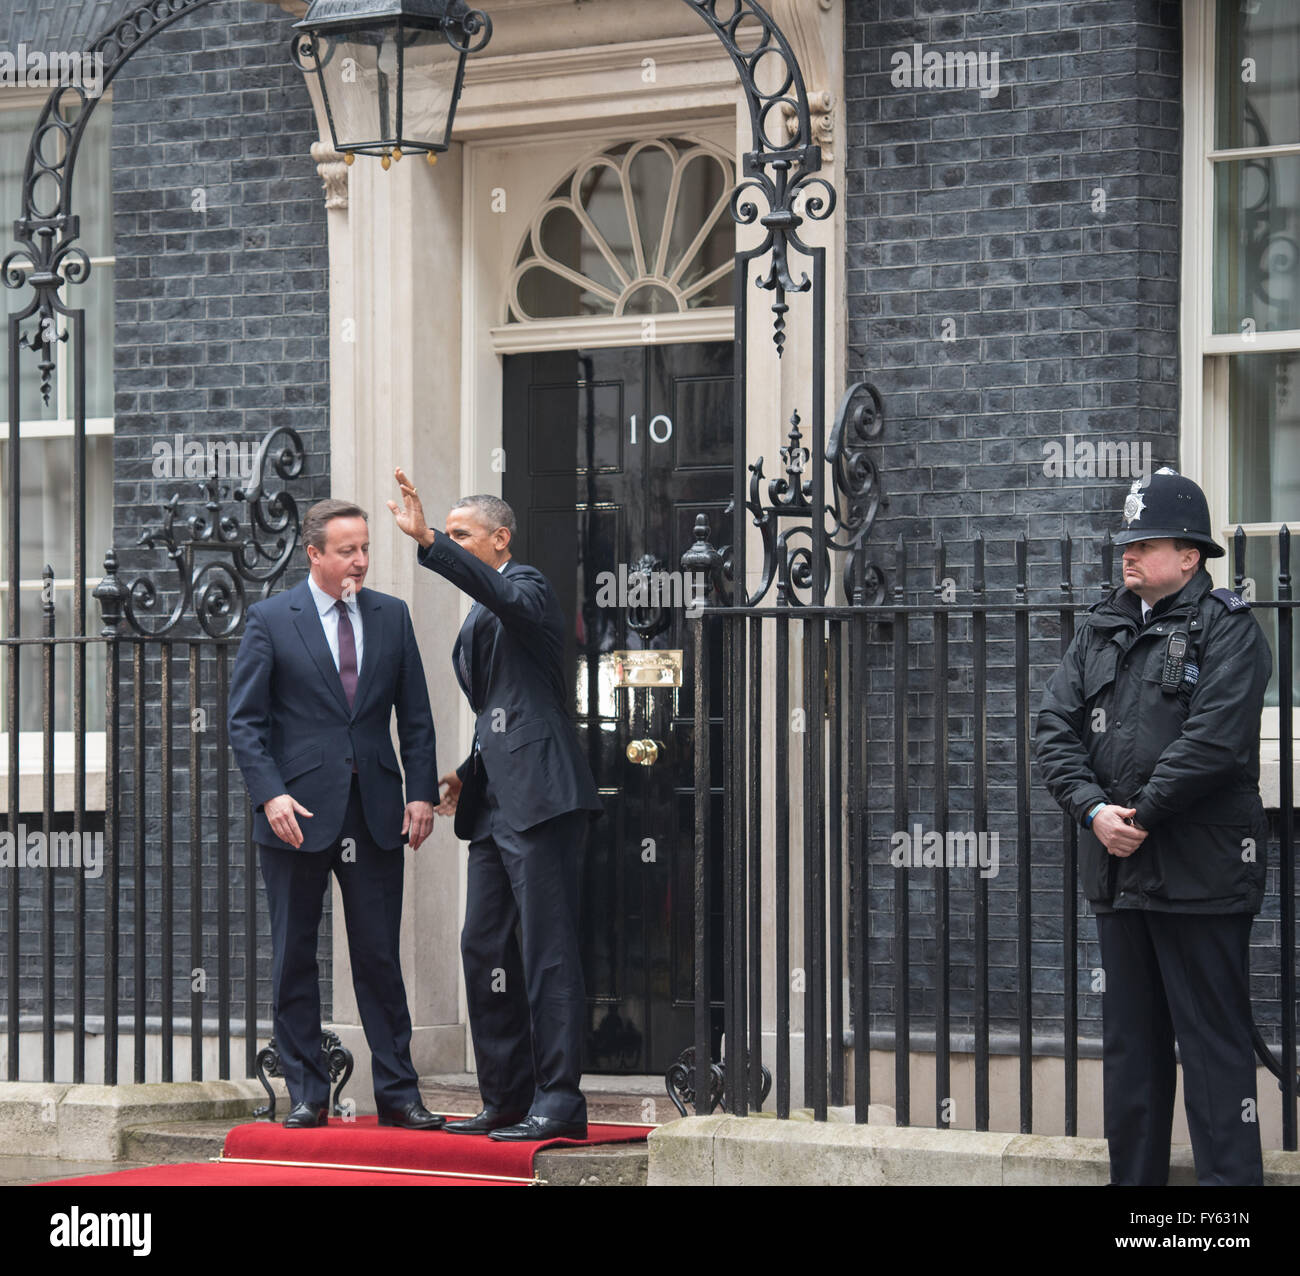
[1087, 823]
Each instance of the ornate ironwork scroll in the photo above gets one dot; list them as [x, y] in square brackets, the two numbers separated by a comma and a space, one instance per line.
[338, 1063]
[784, 166]
[858, 491]
[680, 1082]
[857, 495]
[215, 559]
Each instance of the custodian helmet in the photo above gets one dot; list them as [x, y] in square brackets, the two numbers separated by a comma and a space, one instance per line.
[1167, 505]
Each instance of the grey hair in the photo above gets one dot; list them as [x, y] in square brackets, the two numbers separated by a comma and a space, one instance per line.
[493, 511]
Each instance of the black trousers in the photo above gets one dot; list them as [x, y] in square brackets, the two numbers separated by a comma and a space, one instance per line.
[525, 994]
[1178, 976]
[370, 882]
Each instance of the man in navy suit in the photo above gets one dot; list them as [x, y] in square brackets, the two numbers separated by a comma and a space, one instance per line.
[321, 668]
[522, 799]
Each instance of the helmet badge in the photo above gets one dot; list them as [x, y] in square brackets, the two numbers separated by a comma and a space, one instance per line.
[1133, 508]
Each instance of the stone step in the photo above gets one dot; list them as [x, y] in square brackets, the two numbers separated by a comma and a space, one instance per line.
[615, 1165]
[171, 1142]
[634, 1100]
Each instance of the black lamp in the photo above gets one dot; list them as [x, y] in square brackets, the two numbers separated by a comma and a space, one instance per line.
[390, 71]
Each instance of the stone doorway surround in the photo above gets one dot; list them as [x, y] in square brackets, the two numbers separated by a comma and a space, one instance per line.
[416, 372]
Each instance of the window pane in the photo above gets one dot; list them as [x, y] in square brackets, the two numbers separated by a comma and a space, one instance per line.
[650, 178]
[1264, 425]
[30, 676]
[95, 298]
[92, 194]
[1257, 80]
[1257, 244]
[1262, 568]
[675, 201]
[46, 516]
[704, 182]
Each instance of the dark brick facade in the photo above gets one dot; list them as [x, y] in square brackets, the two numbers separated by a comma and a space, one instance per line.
[221, 333]
[999, 308]
[222, 310]
[1002, 308]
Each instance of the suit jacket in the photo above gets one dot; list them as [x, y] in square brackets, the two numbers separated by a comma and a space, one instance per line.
[292, 732]
[512, 647]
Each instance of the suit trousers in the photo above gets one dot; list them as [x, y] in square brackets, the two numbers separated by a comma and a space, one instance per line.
[1183, 976]
[526, 995]
[370, 882]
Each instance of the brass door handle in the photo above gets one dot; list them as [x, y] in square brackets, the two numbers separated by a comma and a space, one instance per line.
[644, 752]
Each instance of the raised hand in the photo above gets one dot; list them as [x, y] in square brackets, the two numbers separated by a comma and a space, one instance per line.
[410, 518]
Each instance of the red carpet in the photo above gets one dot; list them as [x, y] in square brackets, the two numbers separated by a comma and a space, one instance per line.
[357, 1153]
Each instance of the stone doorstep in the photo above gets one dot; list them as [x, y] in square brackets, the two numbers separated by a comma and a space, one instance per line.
[90, 1122]
[189, 1121]
[760, 1151]
[171, 1142]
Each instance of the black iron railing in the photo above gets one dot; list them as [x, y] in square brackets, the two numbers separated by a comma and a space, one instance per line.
[923, 721]
[146, 920]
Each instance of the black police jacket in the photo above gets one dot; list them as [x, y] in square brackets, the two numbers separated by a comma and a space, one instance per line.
[1186, 758]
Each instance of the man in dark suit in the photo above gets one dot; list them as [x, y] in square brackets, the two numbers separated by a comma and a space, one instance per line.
[522, 800]
[320, 670]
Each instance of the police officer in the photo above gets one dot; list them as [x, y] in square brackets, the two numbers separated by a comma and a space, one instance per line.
[1148, 736]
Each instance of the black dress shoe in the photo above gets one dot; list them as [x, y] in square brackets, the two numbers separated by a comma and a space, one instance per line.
[412, 1116]
[485, 1122]
[534, 1128]
[306, 1116]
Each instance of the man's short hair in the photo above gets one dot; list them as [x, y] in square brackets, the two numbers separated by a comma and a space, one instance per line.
[492, 510]
[313, 526]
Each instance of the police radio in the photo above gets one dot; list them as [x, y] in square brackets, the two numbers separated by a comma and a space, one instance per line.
[1175, 662]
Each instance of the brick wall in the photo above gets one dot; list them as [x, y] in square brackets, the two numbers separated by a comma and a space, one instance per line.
[220, 335]
[221, 322]
[1013, 281]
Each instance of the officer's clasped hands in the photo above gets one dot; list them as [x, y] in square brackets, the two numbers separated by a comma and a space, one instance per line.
[1116, 830]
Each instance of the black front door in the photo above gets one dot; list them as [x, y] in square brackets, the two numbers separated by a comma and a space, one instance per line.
[609, 457]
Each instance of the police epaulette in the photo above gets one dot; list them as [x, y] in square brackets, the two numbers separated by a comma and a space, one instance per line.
[1233, 602]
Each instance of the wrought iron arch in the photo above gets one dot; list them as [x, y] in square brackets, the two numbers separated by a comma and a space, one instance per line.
[52, 264]
[48, 256]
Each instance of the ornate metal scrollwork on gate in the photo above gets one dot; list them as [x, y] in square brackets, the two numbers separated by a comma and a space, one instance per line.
[680, 1082]
[784, 167]
[857, 495]
[214, 587]
[338, 1064]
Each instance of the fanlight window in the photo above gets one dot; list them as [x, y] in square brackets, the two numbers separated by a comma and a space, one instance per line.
[641, 229]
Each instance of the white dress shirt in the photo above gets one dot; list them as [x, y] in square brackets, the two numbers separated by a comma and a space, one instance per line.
[329, 619]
